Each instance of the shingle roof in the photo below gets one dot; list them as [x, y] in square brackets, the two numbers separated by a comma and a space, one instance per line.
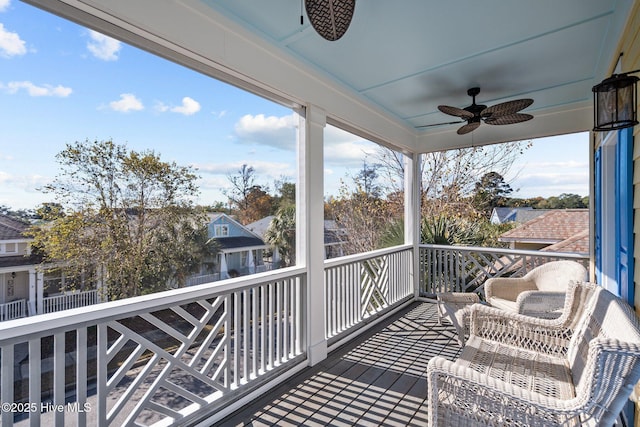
[553, 226]
[260, 226]
[11, 228]
[578, 243]
[238, 242]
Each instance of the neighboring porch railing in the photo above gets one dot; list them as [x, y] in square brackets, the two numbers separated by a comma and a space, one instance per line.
[358, 286]
[69, 300]
[13, 310]
[164, 358]
[463, 269]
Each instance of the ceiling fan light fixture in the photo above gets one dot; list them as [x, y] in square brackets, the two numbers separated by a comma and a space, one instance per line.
[505, 113]
[330, 18]
[615, 102]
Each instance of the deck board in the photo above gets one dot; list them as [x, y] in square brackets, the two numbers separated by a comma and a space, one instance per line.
[377, 379]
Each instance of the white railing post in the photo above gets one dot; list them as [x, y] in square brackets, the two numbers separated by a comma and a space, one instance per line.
[310, 226]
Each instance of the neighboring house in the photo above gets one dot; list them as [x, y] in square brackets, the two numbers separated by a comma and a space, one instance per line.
[241, 251]
[334, 239]
[558, 230]
[517, 215]
[25, 290]
[334, 236]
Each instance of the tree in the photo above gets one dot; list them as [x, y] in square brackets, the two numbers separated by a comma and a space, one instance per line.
[490, 192]
[259, 204]
[128, 215]
[362, 216]
[282, 233]
[250, 202]
[449, 177]
[241, 185]
[565, 201]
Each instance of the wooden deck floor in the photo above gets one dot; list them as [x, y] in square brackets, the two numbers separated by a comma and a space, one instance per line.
[379, 379]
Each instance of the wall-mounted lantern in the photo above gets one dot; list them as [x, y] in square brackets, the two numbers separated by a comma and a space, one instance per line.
[615, 102]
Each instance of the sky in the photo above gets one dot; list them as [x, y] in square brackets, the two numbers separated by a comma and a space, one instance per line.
[61, 83]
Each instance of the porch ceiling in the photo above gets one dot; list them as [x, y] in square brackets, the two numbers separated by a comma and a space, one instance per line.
[399, 60]
[409, 57]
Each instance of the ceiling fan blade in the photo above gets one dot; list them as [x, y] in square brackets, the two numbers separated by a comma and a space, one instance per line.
[455, 111]
[438, 124]
[469, 127]
[508, 120]
[506, 108]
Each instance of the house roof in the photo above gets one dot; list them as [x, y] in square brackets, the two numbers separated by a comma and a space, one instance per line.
[260, 226]
[510, 214]
[238, 242]
[578, 243]
[554, 226]
[11, 228]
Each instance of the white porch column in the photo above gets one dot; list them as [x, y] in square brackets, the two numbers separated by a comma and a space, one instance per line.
[39, 292]
[412, 184]
[31, 309]
[310, 226]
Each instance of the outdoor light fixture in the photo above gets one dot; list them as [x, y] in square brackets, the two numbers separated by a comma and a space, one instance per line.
[330, 18]
[615, 102]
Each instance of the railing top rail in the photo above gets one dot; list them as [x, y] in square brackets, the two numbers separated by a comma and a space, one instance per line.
[334, 262]
[46, 324]
[571, 255]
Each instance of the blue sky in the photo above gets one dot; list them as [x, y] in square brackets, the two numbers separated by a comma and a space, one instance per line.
[61, 83]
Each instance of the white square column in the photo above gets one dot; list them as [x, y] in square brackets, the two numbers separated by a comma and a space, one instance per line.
[412, 199]
[310, 226]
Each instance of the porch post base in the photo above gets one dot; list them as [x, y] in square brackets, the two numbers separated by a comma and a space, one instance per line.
[317, 353]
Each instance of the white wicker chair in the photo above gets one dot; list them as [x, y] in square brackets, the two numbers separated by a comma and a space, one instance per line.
[517, 370]
[539, 293]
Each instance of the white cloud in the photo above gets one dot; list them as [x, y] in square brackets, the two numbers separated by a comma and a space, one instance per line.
[189, 106]
[128, 102]
[26, 183]
[4, 5]
[103, 47]
[34, 90]
[10, 43]
[278, 132]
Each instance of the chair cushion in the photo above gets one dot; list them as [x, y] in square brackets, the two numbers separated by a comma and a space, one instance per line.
[533, 371]
[503, 304]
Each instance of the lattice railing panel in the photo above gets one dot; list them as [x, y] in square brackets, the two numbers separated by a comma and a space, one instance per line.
[465, 269]
[359, 286]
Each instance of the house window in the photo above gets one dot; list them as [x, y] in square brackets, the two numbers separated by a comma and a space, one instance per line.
[221, 230]
[11, 247]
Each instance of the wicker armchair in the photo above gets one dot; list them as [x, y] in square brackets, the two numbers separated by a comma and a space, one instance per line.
[516, 370]
[540, 293]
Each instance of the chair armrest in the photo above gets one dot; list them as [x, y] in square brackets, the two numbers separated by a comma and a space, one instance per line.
[548, 336]
[537, 303]
[507, 287]
[459, 395]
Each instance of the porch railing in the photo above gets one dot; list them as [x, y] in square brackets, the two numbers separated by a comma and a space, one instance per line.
[165, 358]
[463, 269]
[358, 286]
[13, 310]
[69, 300]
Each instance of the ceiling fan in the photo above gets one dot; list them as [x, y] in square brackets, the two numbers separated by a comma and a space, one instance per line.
[506, 113]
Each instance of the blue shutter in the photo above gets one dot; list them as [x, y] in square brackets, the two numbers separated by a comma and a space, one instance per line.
[597, 203]
[624, 214]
